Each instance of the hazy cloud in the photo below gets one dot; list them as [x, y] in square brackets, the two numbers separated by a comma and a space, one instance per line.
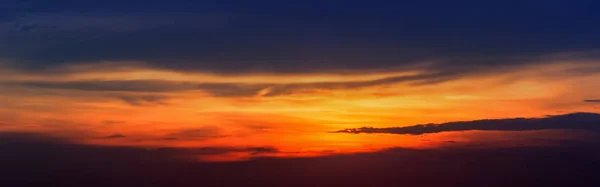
[202, 133]
[218, 150]
[114, 85]
[115, 136]
[144, 100]
[229, 89]
[32, 28]
[112, 122]
[592, 101]
[9, 137]
[41, 162]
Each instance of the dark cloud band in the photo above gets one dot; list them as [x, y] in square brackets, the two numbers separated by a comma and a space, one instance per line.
[575, 121]
[228, 89]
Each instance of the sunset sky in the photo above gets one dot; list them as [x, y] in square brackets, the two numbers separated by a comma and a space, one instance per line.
[283, 76]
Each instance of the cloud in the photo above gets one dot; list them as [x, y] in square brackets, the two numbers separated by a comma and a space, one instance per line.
[114, 85]
[419, 79]
[25, 137]
[32, 163]
[280, 39]
[202, 133]
[229, 89]
[112, 122]
[28, 28]
[115, 136]
[592, 101]
[41, 143]
[144, 100]
[574, 121]
[218, 150]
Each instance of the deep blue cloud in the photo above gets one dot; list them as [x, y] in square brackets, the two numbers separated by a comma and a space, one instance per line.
[310, 36]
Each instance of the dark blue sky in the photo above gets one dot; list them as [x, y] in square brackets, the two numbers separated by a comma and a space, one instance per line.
[233, 37]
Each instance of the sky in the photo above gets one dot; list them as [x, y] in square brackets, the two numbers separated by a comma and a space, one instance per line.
[235, 81]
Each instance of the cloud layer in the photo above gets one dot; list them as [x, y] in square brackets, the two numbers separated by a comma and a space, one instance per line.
[227, 89]
[36, 161]
[310, 37]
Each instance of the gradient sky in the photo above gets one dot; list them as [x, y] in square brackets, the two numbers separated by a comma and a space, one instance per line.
[280, 74]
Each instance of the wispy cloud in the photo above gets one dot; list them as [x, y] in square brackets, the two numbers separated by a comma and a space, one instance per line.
[202, 133]
[114, 136]
[229, 89]
[37, 142]
[144, 100]
[218, 150]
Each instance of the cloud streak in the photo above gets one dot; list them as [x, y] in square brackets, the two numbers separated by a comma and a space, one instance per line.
[228, 89]
[43, 143]
[115, 136]
[574, 121]
[144, 100]
[217, 150]
[203, 133]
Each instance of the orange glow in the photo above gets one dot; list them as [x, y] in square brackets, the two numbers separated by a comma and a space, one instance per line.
[296, 123]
